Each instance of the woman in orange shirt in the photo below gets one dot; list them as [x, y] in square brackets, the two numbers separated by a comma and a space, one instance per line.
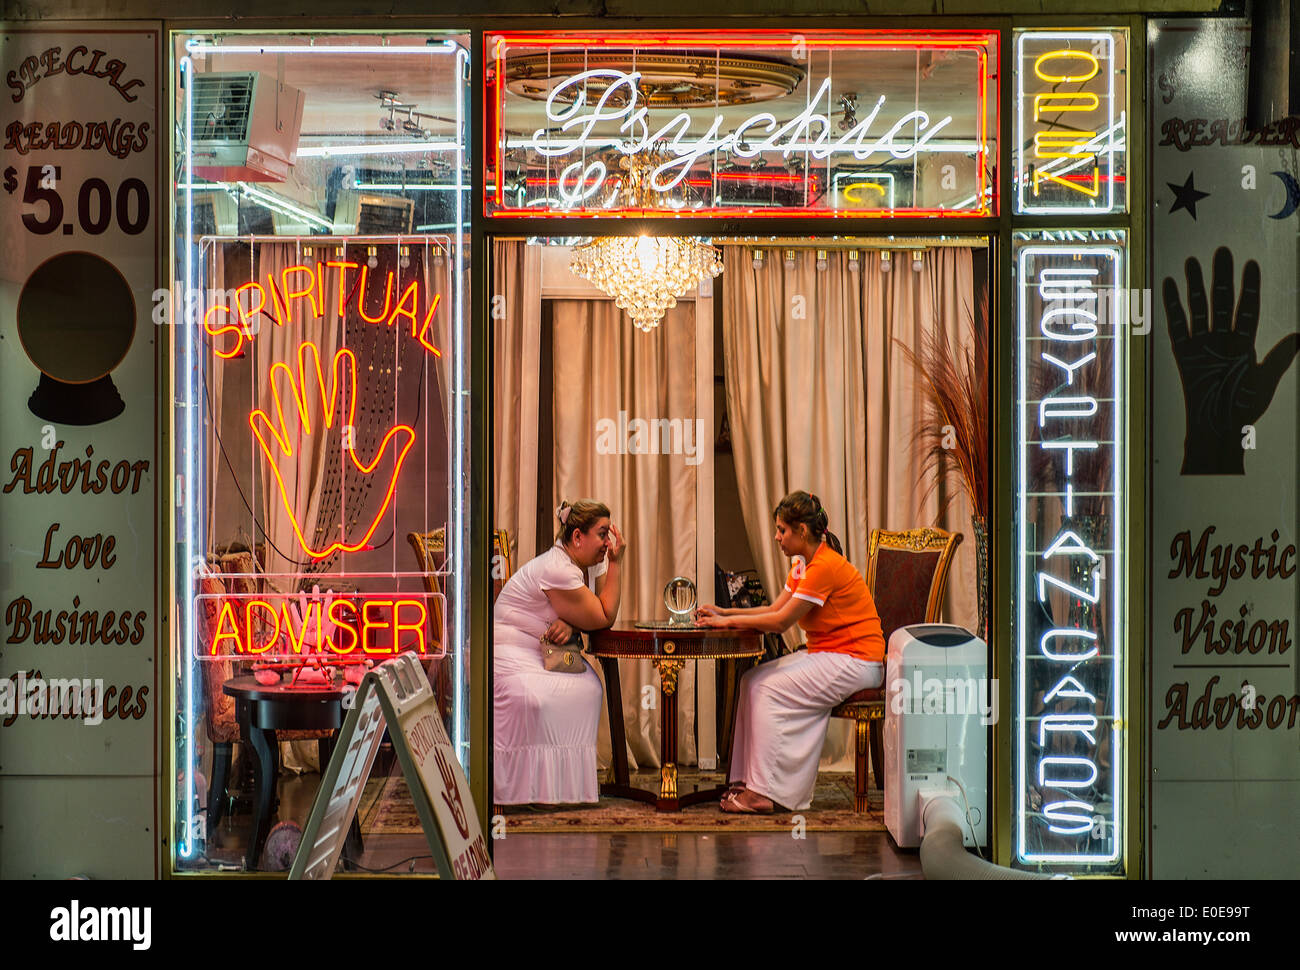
[785, 706]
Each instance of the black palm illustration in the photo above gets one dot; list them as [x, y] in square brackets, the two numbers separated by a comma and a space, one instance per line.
[1224, 387]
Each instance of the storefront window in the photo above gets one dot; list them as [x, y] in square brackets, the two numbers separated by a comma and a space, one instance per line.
[1069, 540]
[844, 125]
[1071, 122]
[320, 374]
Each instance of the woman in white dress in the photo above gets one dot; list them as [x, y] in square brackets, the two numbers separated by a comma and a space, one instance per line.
[545, 722]
[785, 705]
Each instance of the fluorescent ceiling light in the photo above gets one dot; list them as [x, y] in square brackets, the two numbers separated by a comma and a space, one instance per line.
[205, 47]
[408, 187]
[387, 148]
[283, 207]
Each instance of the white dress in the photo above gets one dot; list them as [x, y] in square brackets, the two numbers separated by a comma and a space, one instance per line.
[785, 707]
[545, 722]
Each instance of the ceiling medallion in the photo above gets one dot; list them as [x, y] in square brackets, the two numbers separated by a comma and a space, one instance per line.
[682, 80]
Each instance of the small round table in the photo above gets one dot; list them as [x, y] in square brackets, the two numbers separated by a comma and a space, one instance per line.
[669, 647]
[263, 709]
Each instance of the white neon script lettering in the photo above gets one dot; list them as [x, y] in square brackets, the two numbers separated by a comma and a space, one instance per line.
[568, 110]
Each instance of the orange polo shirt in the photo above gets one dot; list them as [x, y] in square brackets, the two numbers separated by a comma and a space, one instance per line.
[843, 618]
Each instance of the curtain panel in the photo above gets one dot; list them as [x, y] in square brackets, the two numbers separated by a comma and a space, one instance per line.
[821, 397]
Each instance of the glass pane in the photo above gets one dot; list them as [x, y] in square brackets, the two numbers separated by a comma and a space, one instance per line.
[851, 124]
[320, 372]
[1071, 121]
[1070, 449]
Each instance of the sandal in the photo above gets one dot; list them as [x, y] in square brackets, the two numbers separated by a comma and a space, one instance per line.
[731, 802]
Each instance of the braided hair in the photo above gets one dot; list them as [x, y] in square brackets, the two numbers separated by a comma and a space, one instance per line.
[803, 508]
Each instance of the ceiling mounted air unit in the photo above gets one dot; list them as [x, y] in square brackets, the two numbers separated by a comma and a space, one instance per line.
[356, 214]
[246, 127]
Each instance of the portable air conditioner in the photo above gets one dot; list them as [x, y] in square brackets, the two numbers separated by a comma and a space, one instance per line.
[357, 214]
[246, 127]
[937, 711]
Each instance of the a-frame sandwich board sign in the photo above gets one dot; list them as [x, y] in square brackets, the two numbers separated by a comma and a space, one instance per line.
[396, 695]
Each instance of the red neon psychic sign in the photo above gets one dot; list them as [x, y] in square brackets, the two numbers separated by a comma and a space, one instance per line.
[759, 123]
[331, 627]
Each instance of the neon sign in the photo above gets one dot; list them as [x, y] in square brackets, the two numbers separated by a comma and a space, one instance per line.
[343, 376]
[300, 285]
[328, 627]
[1070, 564]
[1069, 122]
[808, 132]
[595, 121]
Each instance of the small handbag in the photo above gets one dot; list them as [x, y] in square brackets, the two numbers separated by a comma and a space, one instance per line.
[564, 657]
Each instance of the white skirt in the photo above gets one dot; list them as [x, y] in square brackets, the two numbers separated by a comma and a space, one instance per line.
[782, 716]
[544, 729]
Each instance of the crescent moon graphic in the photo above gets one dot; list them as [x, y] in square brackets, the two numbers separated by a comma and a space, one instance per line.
[1292, 195]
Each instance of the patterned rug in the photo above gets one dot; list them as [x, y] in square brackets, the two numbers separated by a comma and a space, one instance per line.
[390, 810]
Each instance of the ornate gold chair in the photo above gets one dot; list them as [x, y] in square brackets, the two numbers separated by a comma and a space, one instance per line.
[907, 573]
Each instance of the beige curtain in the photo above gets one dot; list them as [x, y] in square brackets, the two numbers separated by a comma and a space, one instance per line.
[516, 311]
[604, 366]
[820, 397]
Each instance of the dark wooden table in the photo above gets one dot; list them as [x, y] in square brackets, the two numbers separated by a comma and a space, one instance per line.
[261, 711]
[669, 648]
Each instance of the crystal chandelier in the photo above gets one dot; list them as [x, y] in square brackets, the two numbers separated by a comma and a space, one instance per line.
[645, 274]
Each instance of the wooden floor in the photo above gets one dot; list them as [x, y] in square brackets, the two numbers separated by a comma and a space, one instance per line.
[698, 855]
[624, 855]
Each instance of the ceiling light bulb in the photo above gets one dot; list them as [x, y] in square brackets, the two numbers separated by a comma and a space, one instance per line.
[647, 253]
[821, 259]
[886, 261]
[789, 259]
[854, 263]
[758, 259]
[918, 260]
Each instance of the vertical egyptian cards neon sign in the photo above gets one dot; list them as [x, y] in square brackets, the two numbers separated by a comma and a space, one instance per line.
[1070, 562]
[1069, 124]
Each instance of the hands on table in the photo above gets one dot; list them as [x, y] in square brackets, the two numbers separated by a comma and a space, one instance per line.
[711, 616]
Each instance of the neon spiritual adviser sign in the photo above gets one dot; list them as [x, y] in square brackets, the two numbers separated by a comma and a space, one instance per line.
[1070, 561]
[306, 405]
[850, 124]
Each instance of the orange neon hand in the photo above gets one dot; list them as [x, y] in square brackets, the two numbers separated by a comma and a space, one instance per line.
[279, 441]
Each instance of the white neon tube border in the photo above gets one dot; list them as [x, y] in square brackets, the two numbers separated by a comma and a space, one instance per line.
[458, 418]
[1030, 208]
[1119, 755]
[186, 847]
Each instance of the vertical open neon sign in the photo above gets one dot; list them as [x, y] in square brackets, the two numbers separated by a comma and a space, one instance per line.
[1070, 555]
[1069, 122]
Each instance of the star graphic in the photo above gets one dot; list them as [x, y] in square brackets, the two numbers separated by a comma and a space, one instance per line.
[1186, 195]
